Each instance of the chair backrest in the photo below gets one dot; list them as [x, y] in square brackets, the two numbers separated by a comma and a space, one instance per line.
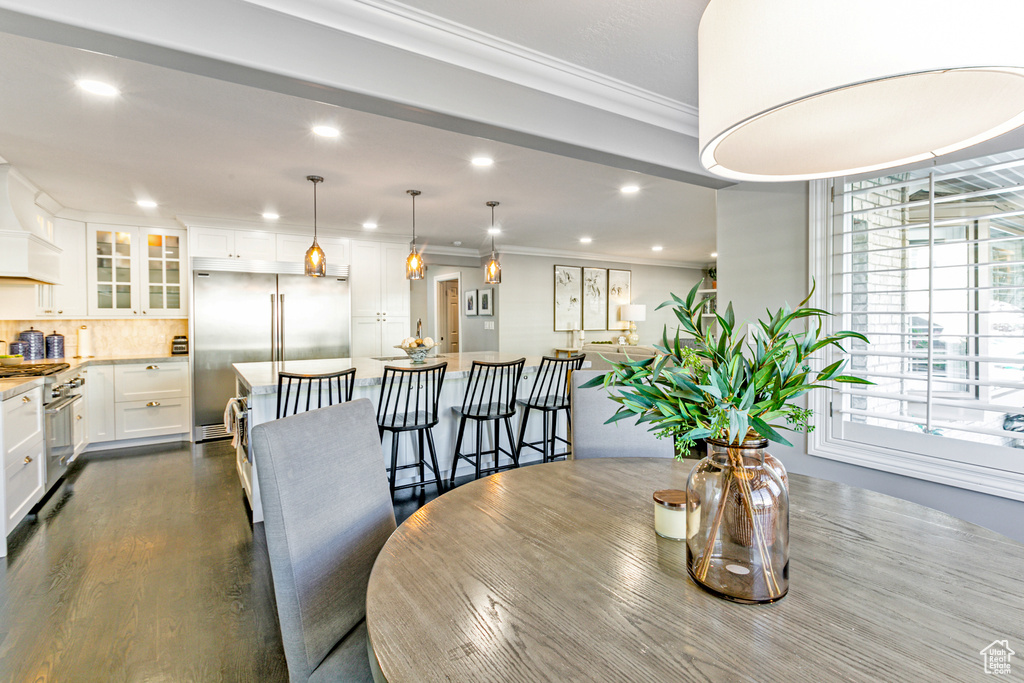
[295, 391]
[552, 380]
[409, 396]
[492, 387]
[592, 438]
[327, 513]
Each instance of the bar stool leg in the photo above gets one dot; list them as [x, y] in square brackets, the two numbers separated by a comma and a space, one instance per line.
[433, 459]
[512, 440]
[554, 434]
[544, 438]
[522, 433]
[458, 452]
[479, 445]
[394, 462]
[423, 484]
[497, 444]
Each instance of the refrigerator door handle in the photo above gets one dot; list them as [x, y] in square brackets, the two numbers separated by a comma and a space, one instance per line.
[280, 327]
[273, 328]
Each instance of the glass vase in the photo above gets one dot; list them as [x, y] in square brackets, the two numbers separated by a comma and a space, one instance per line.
[738, 512]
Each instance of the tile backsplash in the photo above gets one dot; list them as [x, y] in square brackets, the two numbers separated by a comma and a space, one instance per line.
[130, 336]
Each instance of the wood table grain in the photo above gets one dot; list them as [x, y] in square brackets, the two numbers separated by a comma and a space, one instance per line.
[554, 573]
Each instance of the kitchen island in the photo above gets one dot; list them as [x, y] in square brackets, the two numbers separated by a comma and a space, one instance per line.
[257, 383]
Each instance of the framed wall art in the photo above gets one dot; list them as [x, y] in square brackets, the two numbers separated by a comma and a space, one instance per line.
[485, 301]
[469, 306]
[595, 299]
[568, 298]
[619, 293]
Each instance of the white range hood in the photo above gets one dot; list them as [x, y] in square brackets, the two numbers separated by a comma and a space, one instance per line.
[27, 256]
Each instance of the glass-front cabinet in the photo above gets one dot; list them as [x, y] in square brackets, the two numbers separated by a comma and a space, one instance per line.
[136, 271]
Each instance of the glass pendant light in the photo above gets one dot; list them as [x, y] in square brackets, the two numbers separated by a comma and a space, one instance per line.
[414, 263]
[316, 260]
[492, 271]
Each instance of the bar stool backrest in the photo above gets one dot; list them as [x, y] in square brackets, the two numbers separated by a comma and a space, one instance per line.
[295, 391]
[405, 393]
[492, 387]
[552, 383]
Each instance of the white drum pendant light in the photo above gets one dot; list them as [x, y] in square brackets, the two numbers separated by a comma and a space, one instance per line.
[802, 89]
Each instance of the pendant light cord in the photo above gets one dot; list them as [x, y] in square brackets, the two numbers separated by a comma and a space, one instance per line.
[492, 231]
[314, 212]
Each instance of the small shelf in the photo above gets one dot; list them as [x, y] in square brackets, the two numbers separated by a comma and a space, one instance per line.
[707, 291]
[708, 315]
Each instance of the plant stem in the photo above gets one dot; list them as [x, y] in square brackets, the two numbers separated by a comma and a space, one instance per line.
[760, 538]
[705, 560]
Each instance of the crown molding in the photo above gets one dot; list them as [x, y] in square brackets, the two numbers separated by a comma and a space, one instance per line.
[429, 35]
[589, 256]
[452, 251]
[287, 228]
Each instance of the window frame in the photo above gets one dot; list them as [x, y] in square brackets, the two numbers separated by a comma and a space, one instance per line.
[929, 457]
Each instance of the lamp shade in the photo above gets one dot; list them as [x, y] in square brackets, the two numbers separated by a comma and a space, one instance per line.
[633, 312]
[802, 89]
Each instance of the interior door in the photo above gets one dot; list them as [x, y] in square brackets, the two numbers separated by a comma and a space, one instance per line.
[452, 322]
[314, 316]
[231, 324]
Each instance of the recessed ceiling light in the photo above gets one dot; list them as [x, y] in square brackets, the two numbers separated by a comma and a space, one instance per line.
[657, 248]
[326, 131]
[586, 240]
[457, 243]
[493, 231]
[147, 203]
[714, 254]
[370, 225]
[629, 189]
[482, 161]
[97, 87]
[271, 216]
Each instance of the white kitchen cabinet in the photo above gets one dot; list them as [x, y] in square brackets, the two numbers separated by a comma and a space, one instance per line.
[292, 248]
[24, 460]
[80, 424]
[380, 297]
[249, 245]
[69, 299]
[154, 417]
[148, 381]
[99, 399]
[135, 271]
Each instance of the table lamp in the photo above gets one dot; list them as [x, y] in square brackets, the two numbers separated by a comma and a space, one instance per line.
[633, 313]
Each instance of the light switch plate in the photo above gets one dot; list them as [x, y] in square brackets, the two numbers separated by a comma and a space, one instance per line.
[489, 325]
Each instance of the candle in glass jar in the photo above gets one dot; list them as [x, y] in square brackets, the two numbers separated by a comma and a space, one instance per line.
[670, 514]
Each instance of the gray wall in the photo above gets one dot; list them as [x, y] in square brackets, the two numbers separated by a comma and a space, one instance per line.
[424, 294]
[762, 262]
[526, 301]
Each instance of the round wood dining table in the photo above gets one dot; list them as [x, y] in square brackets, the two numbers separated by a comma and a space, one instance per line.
[553, 572]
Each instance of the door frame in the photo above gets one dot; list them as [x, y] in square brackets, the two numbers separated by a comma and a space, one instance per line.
[438, 279]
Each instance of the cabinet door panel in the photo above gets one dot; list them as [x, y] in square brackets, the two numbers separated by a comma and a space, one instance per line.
[145, 381]
[164, 272]
[364, 280]
[113, 252]
[99, 395]
[394, 286]
[25, 482]
[212, 242]
[393, 331]
[366, 337]
[254, 245]
[23, 422]
[70, 299]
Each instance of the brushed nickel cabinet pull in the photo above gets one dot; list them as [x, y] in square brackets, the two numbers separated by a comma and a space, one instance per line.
[28, 459]
[152, 367]
[152, 404]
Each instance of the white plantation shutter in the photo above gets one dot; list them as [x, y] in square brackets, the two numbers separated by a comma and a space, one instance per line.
[929, 265]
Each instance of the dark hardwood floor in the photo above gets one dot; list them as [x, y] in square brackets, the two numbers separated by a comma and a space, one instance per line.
[143, 566]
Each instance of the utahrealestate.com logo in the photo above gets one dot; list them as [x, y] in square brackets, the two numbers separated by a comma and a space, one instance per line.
[997, 657]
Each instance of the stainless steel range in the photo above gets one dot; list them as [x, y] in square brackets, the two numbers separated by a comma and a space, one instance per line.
[64, 425]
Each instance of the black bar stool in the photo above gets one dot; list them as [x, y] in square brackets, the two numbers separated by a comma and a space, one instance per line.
[490, 397]
[408, 402]
[339, 390]
[550, 394]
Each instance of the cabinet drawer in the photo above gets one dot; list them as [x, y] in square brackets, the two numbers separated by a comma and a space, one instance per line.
[25, 482]
[157, 417]
[150, 381]
[23, 421]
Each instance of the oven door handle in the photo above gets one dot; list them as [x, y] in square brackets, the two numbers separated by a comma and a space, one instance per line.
[62, 403]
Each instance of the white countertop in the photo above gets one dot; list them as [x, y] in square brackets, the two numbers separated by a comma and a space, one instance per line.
[261, 378]
[15, 386]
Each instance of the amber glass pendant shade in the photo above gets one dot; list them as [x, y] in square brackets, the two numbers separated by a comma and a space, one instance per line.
[414, 265]
[492, 270]
[316, 260]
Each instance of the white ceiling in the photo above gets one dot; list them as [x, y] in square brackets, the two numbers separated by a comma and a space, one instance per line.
[204, 147]
[650, 44]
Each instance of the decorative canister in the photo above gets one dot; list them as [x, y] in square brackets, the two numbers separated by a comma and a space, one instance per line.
[55, 345]
[17, 348]
[34, 339]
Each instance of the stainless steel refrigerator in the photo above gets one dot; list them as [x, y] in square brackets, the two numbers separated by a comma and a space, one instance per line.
[240, 317]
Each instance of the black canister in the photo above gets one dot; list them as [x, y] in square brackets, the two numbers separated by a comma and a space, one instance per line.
[34, 339]
[55, 345]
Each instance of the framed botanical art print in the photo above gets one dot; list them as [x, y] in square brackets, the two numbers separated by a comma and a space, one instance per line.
[568, 298]
[595, 299]
[470, 303]
[485, 301]
[618, 295]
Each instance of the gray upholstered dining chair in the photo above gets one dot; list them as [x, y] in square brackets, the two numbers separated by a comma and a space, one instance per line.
[327, 513]
[592, 438]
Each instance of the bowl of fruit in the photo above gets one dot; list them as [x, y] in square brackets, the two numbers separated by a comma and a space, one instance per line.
[417, 348]
[11, 360]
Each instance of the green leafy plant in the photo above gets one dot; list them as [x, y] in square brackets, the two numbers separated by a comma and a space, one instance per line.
[713, 273]
[727, 387]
